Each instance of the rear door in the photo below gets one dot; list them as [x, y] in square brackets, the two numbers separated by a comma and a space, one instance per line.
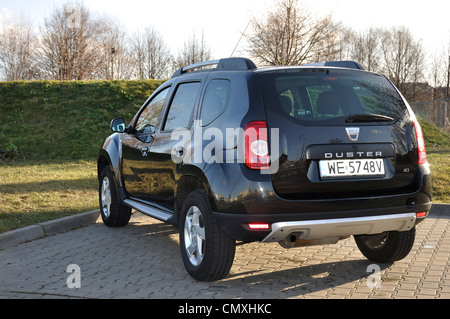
[343, 133]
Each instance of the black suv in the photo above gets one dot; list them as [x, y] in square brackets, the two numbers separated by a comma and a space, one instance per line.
[298, 155]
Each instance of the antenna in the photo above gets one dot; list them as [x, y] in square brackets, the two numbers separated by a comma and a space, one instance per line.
[242, 34]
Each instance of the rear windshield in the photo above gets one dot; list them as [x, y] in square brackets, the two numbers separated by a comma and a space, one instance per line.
[330, 96]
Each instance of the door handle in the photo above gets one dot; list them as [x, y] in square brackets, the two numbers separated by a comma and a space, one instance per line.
[144, 151]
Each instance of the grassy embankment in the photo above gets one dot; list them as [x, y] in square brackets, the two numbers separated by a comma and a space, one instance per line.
[58, 128]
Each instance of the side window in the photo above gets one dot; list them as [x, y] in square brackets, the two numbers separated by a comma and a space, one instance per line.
[215, 100]
[182, 107]
[148, 120]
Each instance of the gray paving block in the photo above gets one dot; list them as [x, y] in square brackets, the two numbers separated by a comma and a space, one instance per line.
[442, 209]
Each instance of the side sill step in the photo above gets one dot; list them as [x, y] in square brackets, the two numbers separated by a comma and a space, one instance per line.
[147, 210]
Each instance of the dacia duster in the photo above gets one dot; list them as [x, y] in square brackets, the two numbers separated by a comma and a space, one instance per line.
[298, 155]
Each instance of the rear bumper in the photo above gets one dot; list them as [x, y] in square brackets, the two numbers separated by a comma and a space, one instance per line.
[341, 227]
[311, 226]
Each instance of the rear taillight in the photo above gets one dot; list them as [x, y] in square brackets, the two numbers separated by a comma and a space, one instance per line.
[420, 143]
[258, 226]
[421, 214]
[256, 145]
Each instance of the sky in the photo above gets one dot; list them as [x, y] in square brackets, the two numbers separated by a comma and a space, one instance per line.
[222, 22]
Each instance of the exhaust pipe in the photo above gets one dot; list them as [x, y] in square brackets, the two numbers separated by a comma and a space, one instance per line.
[294, 240]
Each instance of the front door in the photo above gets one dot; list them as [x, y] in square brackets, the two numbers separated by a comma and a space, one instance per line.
[136, 147]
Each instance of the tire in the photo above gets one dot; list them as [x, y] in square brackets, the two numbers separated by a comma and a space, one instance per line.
[207, 251]
[113, 212]
[386, 247]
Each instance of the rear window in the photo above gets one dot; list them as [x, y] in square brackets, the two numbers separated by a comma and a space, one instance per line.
[182, 106]
[328, 96]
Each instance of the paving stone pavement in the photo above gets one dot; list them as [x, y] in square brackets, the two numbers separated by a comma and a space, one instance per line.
[142, 260]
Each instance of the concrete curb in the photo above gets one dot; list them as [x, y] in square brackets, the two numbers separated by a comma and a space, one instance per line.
[52, 227]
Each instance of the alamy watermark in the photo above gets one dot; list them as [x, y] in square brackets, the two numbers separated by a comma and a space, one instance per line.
[215, 145]
[74, 279]
[374, 279]
[73, 13]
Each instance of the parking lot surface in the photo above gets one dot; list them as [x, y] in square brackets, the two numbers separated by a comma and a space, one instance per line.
[142, 260]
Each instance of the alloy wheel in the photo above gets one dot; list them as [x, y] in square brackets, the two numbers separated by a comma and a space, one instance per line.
[106, 197]
[194, 235]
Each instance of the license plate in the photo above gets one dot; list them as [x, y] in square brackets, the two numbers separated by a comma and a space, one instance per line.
[359, 167]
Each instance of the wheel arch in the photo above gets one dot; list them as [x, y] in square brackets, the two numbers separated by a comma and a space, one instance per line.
[110, 154]
[192, 178]
[102, 161]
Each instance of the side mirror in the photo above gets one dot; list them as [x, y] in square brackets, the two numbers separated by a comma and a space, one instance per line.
[118, 125]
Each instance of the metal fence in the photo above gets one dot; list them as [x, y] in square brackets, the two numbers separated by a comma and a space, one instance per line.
[435, 112]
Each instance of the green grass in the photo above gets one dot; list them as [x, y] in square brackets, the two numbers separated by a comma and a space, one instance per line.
[49, 120]
[440, 173]
[437, 144]
[37, 192]
[57, 129]
[436, 140]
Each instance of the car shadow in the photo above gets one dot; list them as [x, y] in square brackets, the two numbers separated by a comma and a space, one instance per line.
[304, 279]
[439, 210]
[279, 277]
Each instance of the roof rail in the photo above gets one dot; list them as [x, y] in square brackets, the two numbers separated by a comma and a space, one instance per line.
[222, 64]
[339, 64]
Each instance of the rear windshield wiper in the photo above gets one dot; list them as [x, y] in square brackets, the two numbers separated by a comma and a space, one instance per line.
[358, 118]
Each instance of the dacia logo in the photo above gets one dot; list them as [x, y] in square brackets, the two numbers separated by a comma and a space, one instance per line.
[352, 133]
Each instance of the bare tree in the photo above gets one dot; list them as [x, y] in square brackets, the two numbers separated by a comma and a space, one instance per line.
[335, 45]
[17, 51]
[116, 62]
[365, 47]
[69, 44]
[403, 57]
[440, 73]
[436, 74]
[289, 35]
[417, 73]
[447, 66]
[194, 50]
[152, 57]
